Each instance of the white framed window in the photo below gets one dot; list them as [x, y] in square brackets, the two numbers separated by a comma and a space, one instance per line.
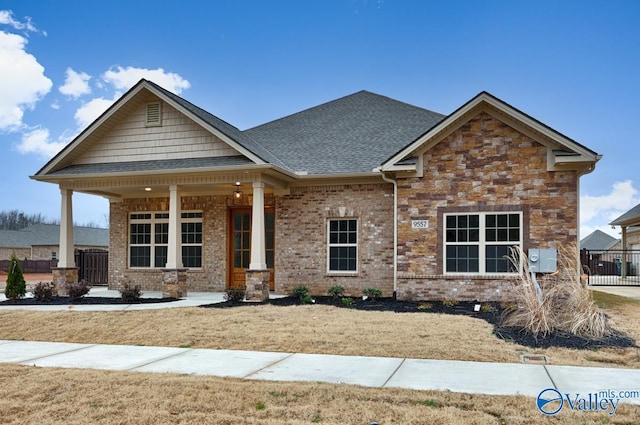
[480, 242]
[342, 245]
[149, 239]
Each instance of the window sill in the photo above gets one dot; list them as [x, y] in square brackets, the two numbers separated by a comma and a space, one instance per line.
[342, 274]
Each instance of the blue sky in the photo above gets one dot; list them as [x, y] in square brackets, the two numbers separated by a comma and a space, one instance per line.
[574, 65]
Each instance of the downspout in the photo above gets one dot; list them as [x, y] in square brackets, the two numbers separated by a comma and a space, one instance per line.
[395, 230]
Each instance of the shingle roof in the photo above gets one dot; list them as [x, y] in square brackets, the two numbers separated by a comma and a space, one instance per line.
[598, 241]
[630, 217]
[153, 165]
[224, 127]
[49, 234]
[355, 133]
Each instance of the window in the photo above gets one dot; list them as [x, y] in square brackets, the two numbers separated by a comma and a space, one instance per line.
[343, 245]
[480, 242]
[149, 239]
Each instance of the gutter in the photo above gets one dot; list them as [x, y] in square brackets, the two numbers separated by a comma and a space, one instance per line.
[395, 229]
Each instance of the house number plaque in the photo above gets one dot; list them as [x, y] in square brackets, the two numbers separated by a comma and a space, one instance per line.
[419, 224]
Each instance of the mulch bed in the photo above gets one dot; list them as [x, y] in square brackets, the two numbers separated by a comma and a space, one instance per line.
[85, 300]
[490, 312]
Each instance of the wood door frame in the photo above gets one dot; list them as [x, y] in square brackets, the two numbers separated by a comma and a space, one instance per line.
[230, 242]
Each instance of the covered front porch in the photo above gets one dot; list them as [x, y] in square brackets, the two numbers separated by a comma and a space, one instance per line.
[205, 232]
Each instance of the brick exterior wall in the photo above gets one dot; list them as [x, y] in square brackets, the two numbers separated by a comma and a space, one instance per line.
[485, 165]
[212, 276]
[301, 237]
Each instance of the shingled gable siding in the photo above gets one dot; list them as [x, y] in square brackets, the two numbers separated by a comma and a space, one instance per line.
[132, 140]
[301, 237]
[212, 276]
[483, 166]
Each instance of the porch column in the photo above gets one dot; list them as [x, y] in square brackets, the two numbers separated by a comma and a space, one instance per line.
[66, 272]
[67, 258]
[257, 277]
[174, 253]
[174, 276]
[258, 255]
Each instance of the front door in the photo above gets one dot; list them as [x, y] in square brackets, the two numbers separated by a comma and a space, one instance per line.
[240, 245]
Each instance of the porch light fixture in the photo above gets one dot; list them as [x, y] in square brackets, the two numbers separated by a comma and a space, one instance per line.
[237, 194]
[148, 189]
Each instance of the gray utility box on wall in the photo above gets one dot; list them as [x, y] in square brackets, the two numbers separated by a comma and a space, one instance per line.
[543, 260]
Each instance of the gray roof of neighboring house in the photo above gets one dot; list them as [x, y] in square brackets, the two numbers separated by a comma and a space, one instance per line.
[49, 234]
[355, 133]
[630, 217]
[598, 241]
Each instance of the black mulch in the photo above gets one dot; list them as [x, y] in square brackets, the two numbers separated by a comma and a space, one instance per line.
[490, 312]
[85, 300]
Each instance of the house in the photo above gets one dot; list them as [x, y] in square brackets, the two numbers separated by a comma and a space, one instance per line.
[42, 241]
[629, 244]
[595, 254]
[362, 191]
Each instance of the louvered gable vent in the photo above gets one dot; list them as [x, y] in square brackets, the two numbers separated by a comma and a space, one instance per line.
[154, 114]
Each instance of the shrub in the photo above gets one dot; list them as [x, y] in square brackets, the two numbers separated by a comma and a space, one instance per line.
[16, 286]
[234, 294]
[130, 294]
[560, 302]
[347, 302]
[449, 303]
[373, 293]
[307, 300]
[301, 291]
[336, 292]
[43, 291]
[77, 290]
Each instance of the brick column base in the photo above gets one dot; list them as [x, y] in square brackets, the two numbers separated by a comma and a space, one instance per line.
[62, 276]
[174, 283]
[257, 285]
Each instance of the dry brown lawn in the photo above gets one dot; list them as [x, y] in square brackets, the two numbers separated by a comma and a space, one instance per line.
[52, 396]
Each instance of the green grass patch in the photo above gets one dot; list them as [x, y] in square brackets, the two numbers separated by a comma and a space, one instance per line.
[606, 300]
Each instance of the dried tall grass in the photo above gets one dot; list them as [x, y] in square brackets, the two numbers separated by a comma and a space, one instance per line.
[564, 303]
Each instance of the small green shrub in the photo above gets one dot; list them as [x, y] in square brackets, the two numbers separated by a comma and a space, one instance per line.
[16, 286]
[486, 308]
[425, 306]
[130, 294]
[449, 303]
[307, 299]
[77, 290]
[300, 291]
[336, 292]
[347, 302]
[43, 291]
[373, 293]
[234, 294]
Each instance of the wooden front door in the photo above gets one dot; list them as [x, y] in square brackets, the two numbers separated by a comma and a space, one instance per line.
[240, 245]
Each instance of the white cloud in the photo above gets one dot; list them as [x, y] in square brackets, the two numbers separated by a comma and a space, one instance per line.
[122, 79]
[125, 78]
[37, 141]
[76, 84]
[596, 212]
[22, 80]
[6, 18]
[91, 110]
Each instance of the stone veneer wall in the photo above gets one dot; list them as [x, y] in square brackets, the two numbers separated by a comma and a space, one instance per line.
[301, 237]
[485, 165]
[213, 274]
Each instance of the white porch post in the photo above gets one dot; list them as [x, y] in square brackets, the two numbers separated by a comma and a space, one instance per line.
[258, 255]
[174, 253]
[67, 258]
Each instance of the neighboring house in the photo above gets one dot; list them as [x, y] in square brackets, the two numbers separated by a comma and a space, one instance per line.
[598, 242]
[42, 241]
[629, 223]
[363, 191]
[595, 255]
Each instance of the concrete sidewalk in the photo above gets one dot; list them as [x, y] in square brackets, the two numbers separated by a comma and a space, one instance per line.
[421, 374]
